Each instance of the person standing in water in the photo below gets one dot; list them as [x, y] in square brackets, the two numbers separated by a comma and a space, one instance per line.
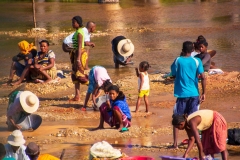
[143, 84]
[185, 69]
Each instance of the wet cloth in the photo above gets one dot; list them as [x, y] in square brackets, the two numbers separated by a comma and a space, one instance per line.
[109, 117]
[79, 75]
[214, 138]
[185, 70]
[19, 155]
[97, 76]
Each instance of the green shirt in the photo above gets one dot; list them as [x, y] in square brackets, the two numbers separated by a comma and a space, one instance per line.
[75, 38]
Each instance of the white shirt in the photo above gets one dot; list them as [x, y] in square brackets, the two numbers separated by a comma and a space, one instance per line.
[68, 39]
[20, 153]
[145, 85]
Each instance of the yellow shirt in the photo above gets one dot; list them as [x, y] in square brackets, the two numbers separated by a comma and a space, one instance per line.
[206, 116]
[47, 157]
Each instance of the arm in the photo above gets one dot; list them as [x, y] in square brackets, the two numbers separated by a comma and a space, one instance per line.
[206, 58]
[79, 48]
[193, 123]
[137, 73]
[203, 83]
[50, 64]
[88, 43]
[191, 141]
[13, 123]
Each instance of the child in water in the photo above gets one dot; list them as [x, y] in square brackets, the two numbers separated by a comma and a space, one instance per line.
[143, 84]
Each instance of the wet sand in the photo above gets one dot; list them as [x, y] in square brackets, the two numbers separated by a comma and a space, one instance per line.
[66, 127]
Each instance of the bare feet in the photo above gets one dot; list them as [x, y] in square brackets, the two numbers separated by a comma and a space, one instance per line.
[8, 82]
[173, 147]
[77, 99]
[16, 83]
[38, 81]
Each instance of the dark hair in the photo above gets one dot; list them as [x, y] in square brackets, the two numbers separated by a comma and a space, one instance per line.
[106, 85]
[144, 65]
[78, 19]
[177, 119]
[200, 38]
[120, 96]
[44, 41]
[205, 43]
[187, 47]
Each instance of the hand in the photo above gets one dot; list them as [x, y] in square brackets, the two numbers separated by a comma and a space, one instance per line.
[92, 45]
[202, 98]
[185, 155]
[18, 127]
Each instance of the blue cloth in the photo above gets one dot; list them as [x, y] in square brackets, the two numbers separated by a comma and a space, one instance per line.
[186, 105]
[186, 71]
[122, 104]
[19, 68]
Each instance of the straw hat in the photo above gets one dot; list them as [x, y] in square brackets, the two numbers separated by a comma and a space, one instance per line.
[16, 138]
[125, 47]
[29, 101]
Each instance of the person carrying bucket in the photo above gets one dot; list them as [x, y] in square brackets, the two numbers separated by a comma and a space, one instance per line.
[19, 112]
[122, 51]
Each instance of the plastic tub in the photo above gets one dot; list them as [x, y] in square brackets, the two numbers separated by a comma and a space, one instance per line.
[137, 158]
[172, 158]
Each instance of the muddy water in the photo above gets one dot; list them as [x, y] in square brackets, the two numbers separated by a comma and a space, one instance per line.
[157, 29]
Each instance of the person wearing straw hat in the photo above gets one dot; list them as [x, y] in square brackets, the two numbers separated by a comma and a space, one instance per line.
[122, 50]
[33, 152]
[20, 107]
[15, 148]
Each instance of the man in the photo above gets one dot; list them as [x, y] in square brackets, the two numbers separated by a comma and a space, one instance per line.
[33, 152]
[186, 69]
[15, 147]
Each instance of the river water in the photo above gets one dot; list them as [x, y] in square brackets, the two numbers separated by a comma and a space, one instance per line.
[156, 27]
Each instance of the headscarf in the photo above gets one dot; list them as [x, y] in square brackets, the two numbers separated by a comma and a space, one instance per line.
[25, 47]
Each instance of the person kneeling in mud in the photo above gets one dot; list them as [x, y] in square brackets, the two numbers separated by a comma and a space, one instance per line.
[115, 111]
[20, 108]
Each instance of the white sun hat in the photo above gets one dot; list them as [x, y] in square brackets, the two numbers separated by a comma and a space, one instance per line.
[29, 101]
[16, 138]
[125, 47]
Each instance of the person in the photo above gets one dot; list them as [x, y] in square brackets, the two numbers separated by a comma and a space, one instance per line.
[115, 111]
[204, 56]
[21, 105]
[15, 147]
[33, 152]
[98, 77]
[2, 151]
[186, 69]
[143, 84]
[27, 52]
[78, 58]
[122, 51]
[44, 69]
[214, 132]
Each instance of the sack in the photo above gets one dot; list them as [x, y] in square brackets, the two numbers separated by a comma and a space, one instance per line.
[234, 136]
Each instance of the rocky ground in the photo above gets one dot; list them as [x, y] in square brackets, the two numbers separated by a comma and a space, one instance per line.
[64, 124]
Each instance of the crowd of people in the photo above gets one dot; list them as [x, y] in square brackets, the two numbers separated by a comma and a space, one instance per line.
[190, 68]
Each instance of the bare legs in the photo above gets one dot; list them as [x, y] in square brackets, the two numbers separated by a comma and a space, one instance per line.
[118, 117]
[224, 154]
[86, 100]
[77, 92]
[139, 101]
[175, 136]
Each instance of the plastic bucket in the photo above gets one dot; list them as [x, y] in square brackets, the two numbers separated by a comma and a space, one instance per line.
[100, 100]
[137, 158]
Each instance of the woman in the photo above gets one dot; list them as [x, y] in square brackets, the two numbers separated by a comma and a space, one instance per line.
[214, 132]
[78, 57]
[98, 79]
[115, 111]
[44, 68]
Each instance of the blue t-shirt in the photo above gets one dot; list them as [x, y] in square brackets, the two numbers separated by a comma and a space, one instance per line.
[186, 70]
[122, 104]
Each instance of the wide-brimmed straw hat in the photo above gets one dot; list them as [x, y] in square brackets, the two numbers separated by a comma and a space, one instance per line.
[16, 138]
[29, 101]
[125, 47]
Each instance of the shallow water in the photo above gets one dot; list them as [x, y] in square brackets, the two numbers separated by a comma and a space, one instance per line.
[157, 29]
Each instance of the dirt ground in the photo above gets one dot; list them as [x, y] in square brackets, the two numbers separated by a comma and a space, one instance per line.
[66, 127]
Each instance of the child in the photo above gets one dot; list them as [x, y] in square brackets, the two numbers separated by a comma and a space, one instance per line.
[143, 84]
[115, 111]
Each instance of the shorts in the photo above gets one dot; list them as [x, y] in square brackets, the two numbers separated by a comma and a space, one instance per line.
[143, 93]
[186, 105]
[19, 68]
